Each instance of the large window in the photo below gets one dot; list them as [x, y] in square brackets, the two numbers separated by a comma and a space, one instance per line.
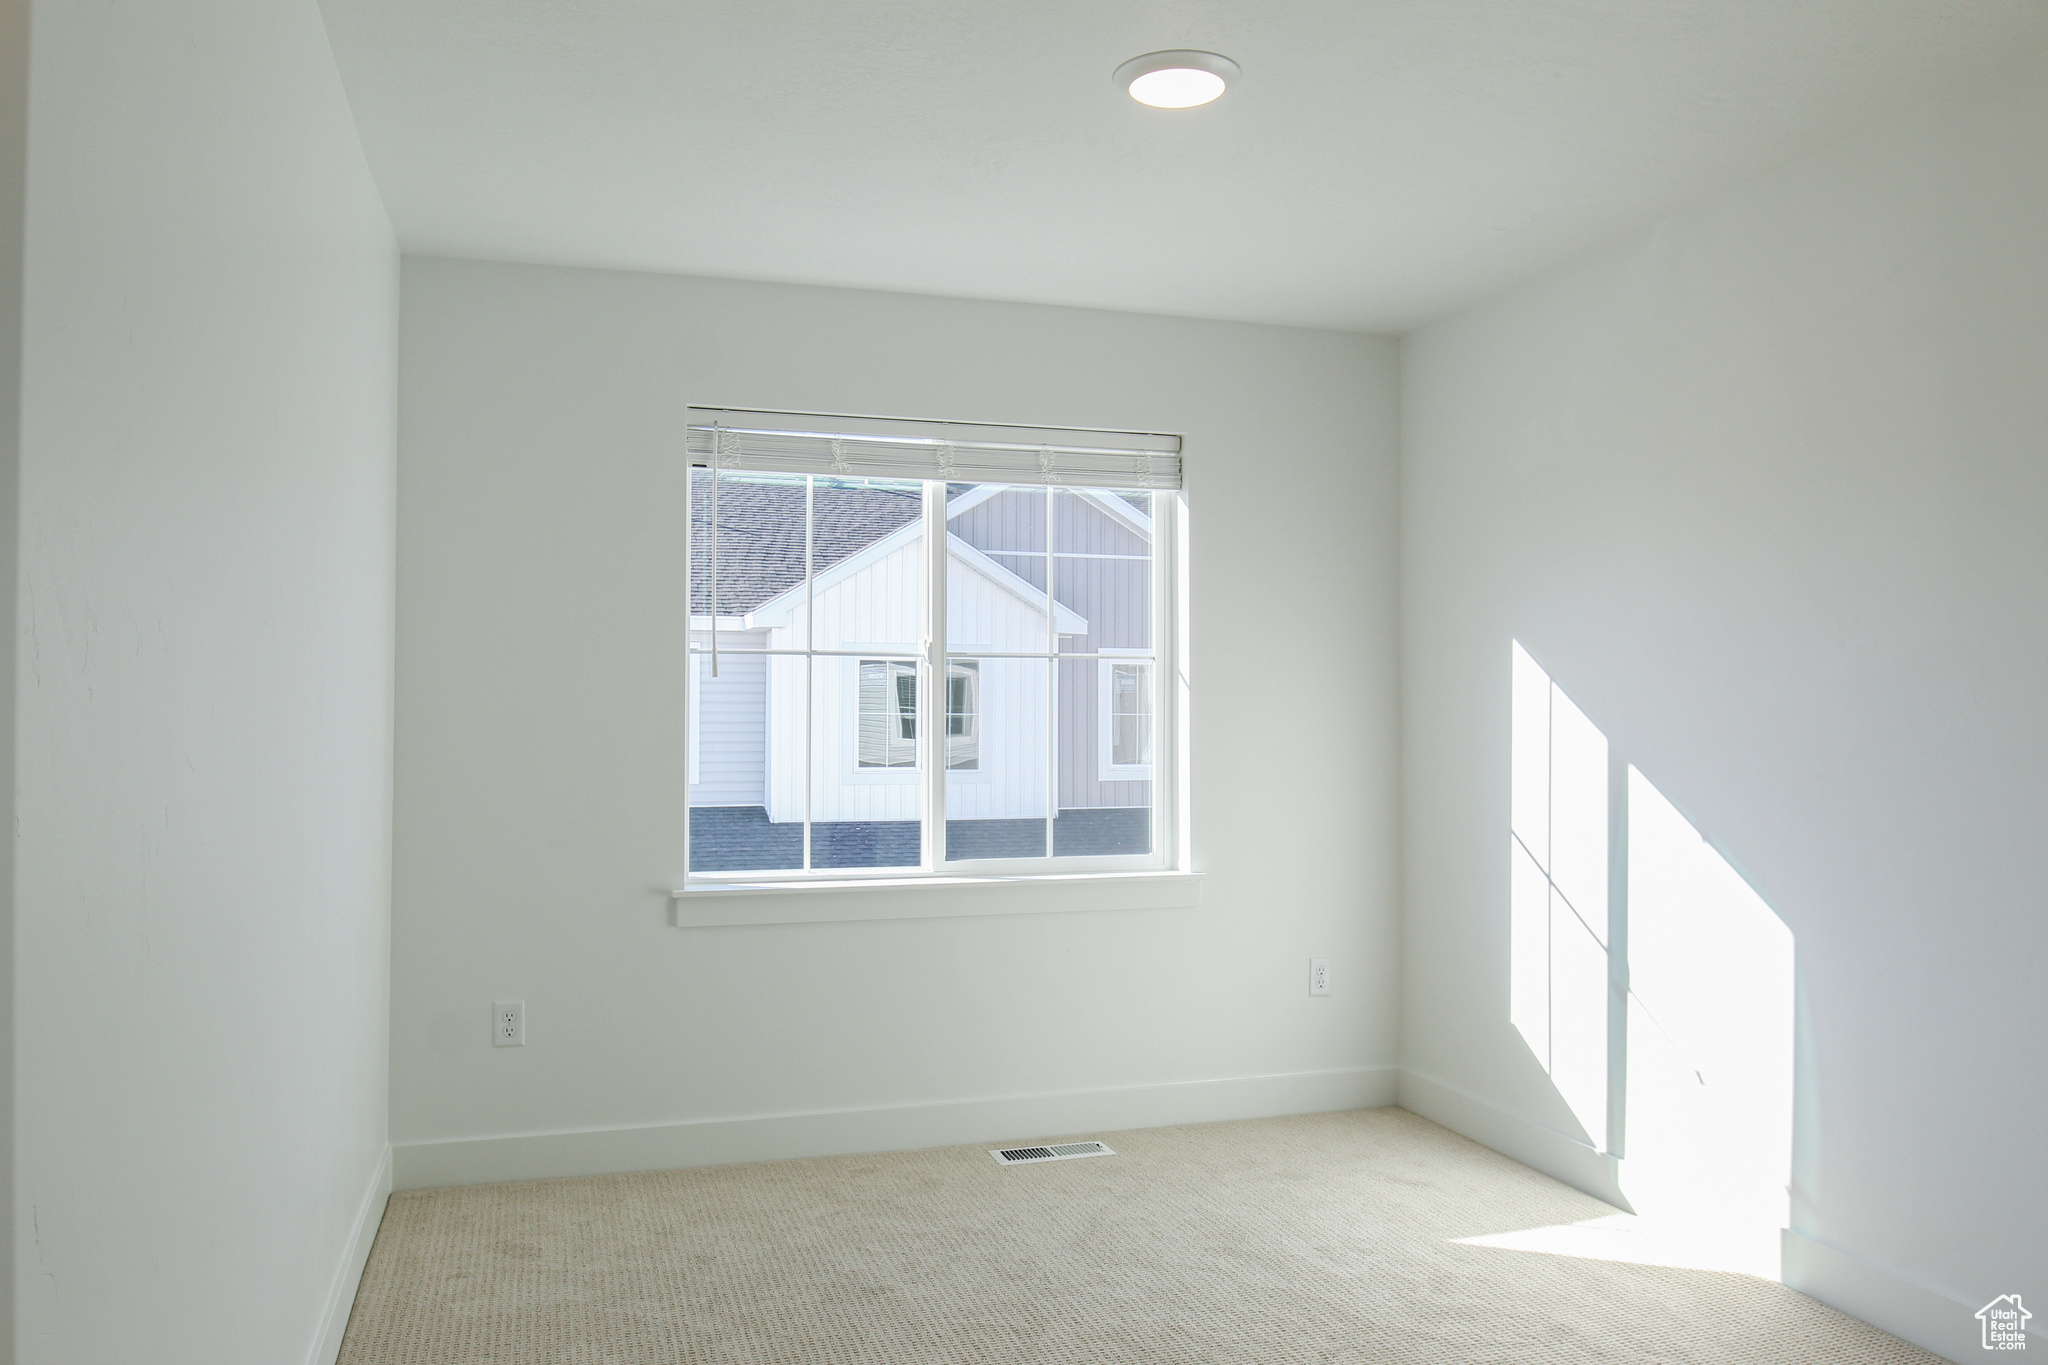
[1032, 572]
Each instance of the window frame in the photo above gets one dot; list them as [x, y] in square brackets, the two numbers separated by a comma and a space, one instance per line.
[1107, 768]
[1167, 775]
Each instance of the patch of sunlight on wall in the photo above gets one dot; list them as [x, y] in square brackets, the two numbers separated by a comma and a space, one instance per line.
[1710, 1030]
[1704, 1134]
[1557, 914]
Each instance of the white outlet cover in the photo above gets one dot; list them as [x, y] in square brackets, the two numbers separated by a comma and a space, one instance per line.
[1319, 976]
[508, 1023]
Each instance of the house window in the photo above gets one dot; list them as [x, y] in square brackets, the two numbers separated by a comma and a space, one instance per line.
[1130, 715]
[1124, 727]
[963, 685]
[834, 571]
[888, 715]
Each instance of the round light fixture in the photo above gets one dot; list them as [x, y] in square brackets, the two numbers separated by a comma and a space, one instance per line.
[1175, 80]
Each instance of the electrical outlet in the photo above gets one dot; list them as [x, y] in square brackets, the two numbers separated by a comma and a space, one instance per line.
[508, 1023]
[1319, 976]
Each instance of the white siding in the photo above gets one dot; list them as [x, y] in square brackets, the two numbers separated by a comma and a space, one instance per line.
[1010, 783]
[730, 730]
[982, 614]
[785, 740]
[878, 606]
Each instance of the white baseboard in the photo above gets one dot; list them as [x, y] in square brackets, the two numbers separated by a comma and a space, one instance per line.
[342, 1296]
[1558, 1155]
[1933, 1319]
[776, 1137]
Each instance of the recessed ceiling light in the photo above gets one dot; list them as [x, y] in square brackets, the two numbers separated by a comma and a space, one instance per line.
[1175, 80]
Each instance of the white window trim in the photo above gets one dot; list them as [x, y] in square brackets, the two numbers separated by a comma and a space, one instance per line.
[899, 895]
[1169, 861]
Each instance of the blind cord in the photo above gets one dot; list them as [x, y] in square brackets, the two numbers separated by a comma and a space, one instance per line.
[718, 454]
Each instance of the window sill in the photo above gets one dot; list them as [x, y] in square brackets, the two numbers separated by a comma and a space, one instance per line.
[719, 904]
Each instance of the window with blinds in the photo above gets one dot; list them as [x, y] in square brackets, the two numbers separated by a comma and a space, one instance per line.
[865, 447]
[837, 566]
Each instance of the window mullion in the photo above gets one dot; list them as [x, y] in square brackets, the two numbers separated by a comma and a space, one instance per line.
[810, 665]
[1052, 674]
[1170, 789]
[931, 694]
[692, 743]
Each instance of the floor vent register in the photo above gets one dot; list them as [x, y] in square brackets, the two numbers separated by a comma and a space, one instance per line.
[1059, 1151]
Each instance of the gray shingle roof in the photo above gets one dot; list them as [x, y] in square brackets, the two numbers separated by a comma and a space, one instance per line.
[761, 534]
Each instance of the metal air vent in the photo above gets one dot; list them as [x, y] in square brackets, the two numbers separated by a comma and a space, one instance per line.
[1062, 1151]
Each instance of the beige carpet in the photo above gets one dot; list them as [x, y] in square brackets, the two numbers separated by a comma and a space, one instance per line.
[1324, 1238]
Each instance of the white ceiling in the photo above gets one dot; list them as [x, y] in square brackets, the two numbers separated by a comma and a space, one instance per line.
[1380, 161]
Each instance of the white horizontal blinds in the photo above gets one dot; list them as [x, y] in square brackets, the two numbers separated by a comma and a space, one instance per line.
[966, 452]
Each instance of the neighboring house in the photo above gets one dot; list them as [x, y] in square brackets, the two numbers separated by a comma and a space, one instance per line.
[751, 770]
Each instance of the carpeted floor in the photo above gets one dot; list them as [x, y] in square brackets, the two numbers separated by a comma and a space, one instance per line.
[1320, 1238]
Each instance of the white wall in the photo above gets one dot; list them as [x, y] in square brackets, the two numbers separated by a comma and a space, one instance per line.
[14, 17]
[204, 653]
[1766, 490]
[539, 800]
